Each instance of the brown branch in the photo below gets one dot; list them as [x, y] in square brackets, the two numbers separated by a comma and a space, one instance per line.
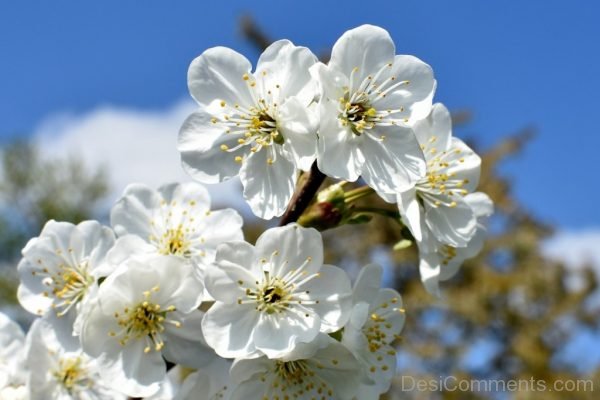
[303, 196]
[253, 33]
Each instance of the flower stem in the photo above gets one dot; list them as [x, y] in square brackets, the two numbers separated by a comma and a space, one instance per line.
[380, 211]
[358, 193]
[303, 196]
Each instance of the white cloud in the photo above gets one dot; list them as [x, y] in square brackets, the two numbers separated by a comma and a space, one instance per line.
[133, 146]
[577, 250]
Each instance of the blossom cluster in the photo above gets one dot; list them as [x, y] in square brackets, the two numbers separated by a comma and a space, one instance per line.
[171, 286]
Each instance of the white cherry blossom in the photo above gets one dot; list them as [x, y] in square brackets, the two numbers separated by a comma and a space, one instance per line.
[440, 262]
[146, 310]
[376, 321]
[256, 125]
[437, 204]
[174, 220]
[322, 370]
[370, 98]
[60, 268]
[211, 382]
[59, 370]
[12, 358]
[273, 296]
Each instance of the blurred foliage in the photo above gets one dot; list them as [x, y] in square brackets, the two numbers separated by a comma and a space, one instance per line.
[509, 295]
[34, 190]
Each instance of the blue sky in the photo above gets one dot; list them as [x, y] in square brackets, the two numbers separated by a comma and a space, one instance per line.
[513, 63]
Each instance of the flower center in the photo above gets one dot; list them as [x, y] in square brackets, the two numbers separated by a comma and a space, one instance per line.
[71, 374]
[448, 252]
[274, 296]
[254, 126]
[358, 114]
[174, 242]
[293, 372]
[144, 321]
[440, 184]
[69, 285]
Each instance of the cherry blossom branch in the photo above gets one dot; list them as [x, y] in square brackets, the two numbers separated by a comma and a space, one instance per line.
[303, 196]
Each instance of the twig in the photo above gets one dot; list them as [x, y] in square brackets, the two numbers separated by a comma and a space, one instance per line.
[303, 196]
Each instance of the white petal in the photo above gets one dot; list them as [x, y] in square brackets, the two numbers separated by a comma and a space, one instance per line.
[291, 247]
[268, 188]
[429, 267]
[98, 240]
[367, 48]
[223, 281]
[241, 254]
[200, 144]
[287, 66]
[145, 370]
[186, 345]
[454, 226]
[481, 204]
[331, 82]
[219, 227]
[333, 290]
[31, 288]
[439, 125]
[125, 247]
[412, 213]
[217, 74]
[277, 335]
[464, 164]
[415, 96]
[229, 329]
[338, 149]
[298, 126]
[367, 283]
[186, 193]
[132, 213]
[395, 163]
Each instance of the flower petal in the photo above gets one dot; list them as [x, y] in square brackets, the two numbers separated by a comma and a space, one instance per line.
[394, 161]
[367, 48]
[338, 153]
[200, 142]
[290, 247]
[412, 213]
[284, 69]
[229, 330]
[132, 212]
[298, 126]
[416, 95]
[217, 74]
[277, 335]
[454, 226]
[269, 182]
[367, 283]
[437, 125]
[333, 291]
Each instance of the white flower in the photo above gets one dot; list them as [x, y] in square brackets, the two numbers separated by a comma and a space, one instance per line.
[210, 382]
[273, 296]
[12, 356]
[325, 370]
[443, 261]
[146, 310]
[435, 209]
[257, 125]
[370, 97]
[376, 321]
[60, 268]
[62, 371]
[174, 220]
